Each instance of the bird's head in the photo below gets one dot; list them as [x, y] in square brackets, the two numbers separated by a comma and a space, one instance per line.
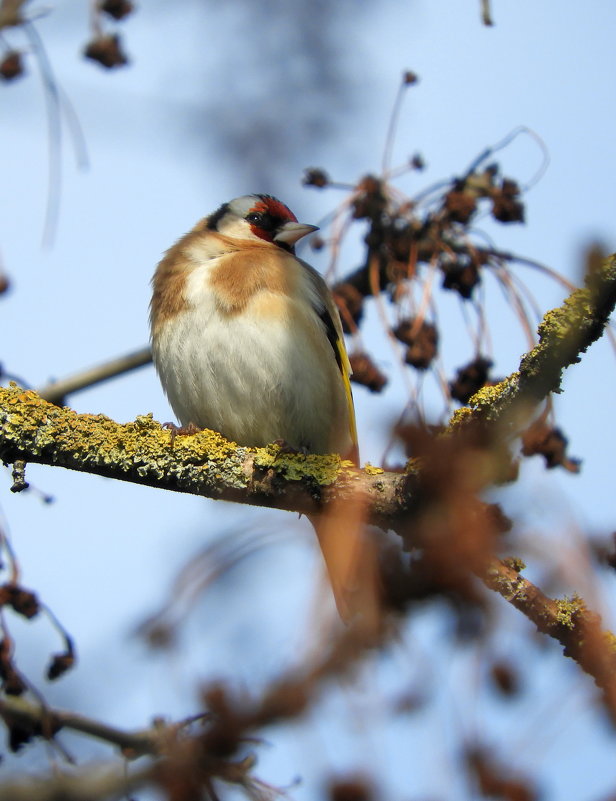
[260, 217]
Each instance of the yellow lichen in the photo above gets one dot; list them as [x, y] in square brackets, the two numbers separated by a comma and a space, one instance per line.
[372, 470]
[323, 468]
[568, 609]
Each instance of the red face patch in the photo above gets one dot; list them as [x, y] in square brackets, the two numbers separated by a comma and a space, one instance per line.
[269, 214]
[277, 209]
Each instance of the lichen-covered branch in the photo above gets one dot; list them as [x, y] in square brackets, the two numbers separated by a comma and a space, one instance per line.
[564, 334]
[33, 430]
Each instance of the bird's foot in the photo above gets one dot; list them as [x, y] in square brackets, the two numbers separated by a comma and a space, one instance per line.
[285, 447]
[181, 431]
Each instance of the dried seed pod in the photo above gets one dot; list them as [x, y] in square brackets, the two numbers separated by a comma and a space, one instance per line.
[365, 372]
[11, 65]
[350, 302]
[409, 78]
[107, 50]
[22, 601]
[314, 176]
[422, 342]
[469, 379]
[506, 207]
[370, 201]
[118, 9]
[549, 442]
[460, 205]
[353, 788]
[461, 276]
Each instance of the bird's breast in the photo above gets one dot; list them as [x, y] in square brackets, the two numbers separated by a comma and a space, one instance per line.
[265, 373]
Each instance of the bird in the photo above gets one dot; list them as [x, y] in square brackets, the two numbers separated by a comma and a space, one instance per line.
[247, 339]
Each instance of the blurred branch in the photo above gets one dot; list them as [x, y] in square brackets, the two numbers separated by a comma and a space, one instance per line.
[56, 391]
[192, 758]
[576, 628]
[93, 782]
[36, 719]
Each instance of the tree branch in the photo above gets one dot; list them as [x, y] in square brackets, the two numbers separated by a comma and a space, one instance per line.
[567, 620]
[56, 391]
[564, 334]
[205, 464]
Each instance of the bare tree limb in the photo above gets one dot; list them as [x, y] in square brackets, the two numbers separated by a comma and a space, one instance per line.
[57, 391]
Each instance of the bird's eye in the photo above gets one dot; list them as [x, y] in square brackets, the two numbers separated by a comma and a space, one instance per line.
[263, 220]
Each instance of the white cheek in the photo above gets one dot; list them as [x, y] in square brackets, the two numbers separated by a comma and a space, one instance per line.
[237, 228]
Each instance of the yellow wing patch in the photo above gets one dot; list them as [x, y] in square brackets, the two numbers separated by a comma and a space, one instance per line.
[346, 378]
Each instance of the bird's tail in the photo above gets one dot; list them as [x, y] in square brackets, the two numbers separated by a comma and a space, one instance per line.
[351, 560]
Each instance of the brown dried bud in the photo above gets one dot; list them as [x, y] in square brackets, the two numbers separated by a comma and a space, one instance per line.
[409, 78]
[460, 276]
[399, 240]
[505, 204]
[370, 201]
[107, 50]
[417, 162]
[505, 678]
[460, 205]
[551, 443]
[351, 789]
[11, 66]
[366, 373]
[350, 303]
[59, 664]
[422, 341]
[313, 176]
[469, 379]
[22, 601]
[118, 9]
[5, 283]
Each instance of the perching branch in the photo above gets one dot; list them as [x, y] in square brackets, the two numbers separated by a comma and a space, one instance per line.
[205, 464]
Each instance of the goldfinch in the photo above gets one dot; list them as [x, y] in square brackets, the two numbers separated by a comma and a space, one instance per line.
[247, 340]
[246, 337]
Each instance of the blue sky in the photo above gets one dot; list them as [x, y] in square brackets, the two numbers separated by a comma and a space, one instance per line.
[199, 117]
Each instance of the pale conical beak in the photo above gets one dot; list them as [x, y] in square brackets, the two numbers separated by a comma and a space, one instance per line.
[290, 232]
